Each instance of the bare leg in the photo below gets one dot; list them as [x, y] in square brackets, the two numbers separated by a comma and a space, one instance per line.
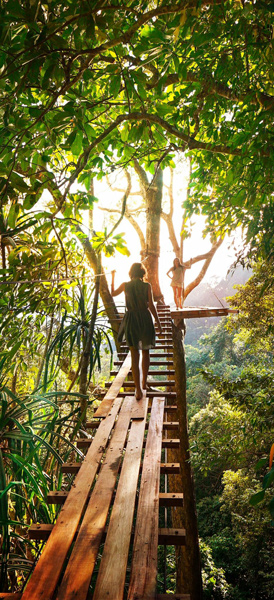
[175, 295]
[180, 292]
[136, 372]
[145, 367]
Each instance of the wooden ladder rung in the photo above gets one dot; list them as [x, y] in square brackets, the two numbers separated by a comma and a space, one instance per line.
[168, 536]
[172, 597]
[152, 362]
[153, 383]
[151, 372]
[166, 468]
[166, 443]
[165, 499]
[171, 499]
[150, 394]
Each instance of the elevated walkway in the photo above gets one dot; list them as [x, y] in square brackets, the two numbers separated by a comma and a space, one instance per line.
[104, 543]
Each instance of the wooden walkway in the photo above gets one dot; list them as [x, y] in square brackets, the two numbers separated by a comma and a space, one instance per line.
[105, 541]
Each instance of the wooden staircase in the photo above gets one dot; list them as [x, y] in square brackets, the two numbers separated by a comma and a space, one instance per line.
[105, 540]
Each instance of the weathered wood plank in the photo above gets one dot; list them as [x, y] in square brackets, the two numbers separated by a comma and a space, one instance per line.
[139, 407]
[112, 393]
[144, 559]
[43, 581]
[76, 580]
[112, 573]
[206, 311]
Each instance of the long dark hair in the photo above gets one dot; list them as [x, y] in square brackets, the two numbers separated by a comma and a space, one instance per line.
[137, 270]
[174, 266]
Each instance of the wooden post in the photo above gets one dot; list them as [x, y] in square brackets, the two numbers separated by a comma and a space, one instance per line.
[189, 579]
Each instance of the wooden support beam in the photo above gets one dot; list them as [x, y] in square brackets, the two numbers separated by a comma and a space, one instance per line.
[152, 354]
[166, 468]
[172, 597]
[174, 443]
[194, 312]
[153, 383]
[170, 499]
[152, 362]
[166, 536]
[167, 499]
[150, 394]
[150, 372]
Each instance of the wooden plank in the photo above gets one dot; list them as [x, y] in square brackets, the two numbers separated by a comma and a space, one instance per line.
[78, 573]
[207, 311]
[46, 574]
[112, 573]
[171, 499]
[112, 393]
[144, 558]
[139, 407]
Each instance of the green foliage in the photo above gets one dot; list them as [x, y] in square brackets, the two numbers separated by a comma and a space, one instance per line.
[231, 435]
[74, 101]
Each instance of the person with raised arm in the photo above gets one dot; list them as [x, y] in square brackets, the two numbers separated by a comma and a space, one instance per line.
[138, 324]
[177, 280]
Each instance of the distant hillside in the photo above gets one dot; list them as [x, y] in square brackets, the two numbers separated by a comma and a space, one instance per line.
[212, 295]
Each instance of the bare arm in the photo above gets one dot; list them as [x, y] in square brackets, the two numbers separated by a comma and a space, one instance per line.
[152, 308]
[188, 264]
[169, 272]
[120, 289]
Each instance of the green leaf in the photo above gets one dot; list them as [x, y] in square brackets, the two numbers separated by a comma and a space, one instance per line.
[18, 182]
[115, 85]
[257, 498]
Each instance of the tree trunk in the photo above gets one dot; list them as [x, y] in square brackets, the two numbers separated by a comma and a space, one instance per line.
[109, 304]
[189, 580]
[83, 382]
[49, 334]
[152, 194]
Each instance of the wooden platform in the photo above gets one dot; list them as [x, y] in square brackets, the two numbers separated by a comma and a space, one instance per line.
[194, 312]
[105, 540]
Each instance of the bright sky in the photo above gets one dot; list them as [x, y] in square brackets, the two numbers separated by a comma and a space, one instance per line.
[193, 246]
